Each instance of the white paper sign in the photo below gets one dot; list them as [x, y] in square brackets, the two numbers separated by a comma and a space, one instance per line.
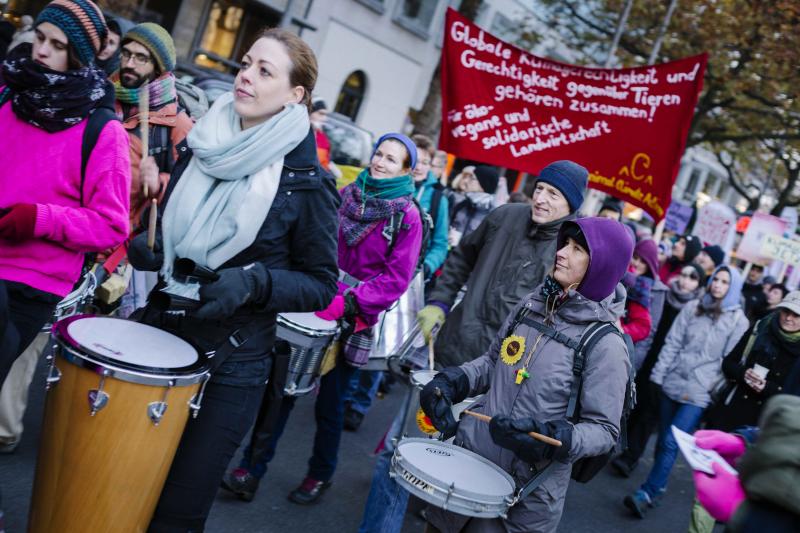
[699, 458]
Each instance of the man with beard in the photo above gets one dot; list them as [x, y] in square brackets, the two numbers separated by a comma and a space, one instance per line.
[147, 60]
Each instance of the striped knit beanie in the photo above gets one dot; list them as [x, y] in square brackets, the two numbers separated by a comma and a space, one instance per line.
[83, 24]
[157, 40]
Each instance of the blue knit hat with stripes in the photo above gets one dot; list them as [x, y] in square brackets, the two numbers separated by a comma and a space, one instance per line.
[158, 42]
[83, 24]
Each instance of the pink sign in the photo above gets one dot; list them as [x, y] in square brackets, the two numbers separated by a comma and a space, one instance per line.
[760, 226]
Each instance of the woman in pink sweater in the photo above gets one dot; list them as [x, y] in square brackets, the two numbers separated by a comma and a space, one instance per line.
[52, 213]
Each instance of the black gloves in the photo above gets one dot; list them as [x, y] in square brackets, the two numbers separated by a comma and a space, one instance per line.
[234, 288]
[512, 434]
[453, 386]
[143, 258]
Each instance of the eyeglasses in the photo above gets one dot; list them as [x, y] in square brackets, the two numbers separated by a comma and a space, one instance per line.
[139, 59]
[690, 275]
[424, 162]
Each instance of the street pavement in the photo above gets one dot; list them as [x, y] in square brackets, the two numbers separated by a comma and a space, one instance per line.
[593, 507]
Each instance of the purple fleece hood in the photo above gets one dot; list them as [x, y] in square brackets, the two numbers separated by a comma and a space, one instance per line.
[610, 252]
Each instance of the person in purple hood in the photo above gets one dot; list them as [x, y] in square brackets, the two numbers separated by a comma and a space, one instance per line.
[376, 263]
[526, 378]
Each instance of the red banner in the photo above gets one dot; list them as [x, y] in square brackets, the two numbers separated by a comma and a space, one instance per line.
[628, 127]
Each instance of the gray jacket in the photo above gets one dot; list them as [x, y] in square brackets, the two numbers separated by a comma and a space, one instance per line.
[544, 396]
[658, 295]
[503, 260]
[690, 363]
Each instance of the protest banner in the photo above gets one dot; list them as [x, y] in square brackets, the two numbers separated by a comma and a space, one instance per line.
[761, 225]
[716, 224]
[504, 106]
[780, 248]
[678, 217]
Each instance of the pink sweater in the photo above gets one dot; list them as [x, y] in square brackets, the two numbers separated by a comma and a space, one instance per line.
[45, 169]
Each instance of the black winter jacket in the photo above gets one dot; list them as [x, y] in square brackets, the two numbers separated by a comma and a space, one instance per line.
[297, 244]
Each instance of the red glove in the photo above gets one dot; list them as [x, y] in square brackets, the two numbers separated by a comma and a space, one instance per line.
[728, 445]
[719, 494]
[18, 223]
[334, 311]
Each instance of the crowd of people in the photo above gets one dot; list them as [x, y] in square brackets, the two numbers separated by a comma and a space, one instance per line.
[583, 329]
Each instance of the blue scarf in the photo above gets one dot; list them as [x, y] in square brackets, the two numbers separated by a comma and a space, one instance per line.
[384, 188]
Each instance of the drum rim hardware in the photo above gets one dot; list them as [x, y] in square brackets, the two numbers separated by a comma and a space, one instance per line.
[195, 403]
[74, 352]
[98, 398]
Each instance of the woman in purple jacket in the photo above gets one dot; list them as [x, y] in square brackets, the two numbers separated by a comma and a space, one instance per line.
[380, 235]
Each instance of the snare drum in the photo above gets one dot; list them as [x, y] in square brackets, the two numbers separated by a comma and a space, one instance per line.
[308, 336]
[452, 478]
[120, 395]
[74, 302]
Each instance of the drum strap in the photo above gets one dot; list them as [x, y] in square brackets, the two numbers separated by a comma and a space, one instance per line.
[235, 339]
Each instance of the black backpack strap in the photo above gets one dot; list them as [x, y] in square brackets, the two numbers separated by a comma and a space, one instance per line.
[589, 339]
[392, 228]
[161, 147]
[557, 336]
[96, 122]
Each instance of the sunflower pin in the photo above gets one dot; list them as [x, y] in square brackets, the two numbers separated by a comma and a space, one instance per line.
[512, 349]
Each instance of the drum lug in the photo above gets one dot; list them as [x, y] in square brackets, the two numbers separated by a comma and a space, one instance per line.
[53, 373]
[450, 490]
[156, 410]
[98, 398]
[197, 399]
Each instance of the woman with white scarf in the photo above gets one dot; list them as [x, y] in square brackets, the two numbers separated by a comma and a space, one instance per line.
[249, 201]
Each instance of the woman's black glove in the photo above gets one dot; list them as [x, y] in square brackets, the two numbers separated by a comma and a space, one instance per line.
[449, 386]
[512, 434]
[143, 258]
[234, 288]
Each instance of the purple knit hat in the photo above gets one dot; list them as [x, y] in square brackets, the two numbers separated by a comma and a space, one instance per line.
[647, 250]
[610, 252]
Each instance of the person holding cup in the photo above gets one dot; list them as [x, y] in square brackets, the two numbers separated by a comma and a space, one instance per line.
[759, 367]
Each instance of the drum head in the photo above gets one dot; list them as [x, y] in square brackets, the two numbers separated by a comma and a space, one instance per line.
[420, 378]
[128, 345]
[447, 464]
[309, 321]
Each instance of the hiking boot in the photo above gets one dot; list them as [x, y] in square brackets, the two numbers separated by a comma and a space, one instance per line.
[352, 419]
[242, 483]
[638, 502]
[309, 491]
[622, 467]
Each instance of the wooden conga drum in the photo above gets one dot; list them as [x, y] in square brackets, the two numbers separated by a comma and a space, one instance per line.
[119, 396]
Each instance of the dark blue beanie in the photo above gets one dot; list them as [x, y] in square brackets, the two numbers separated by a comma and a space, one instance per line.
[408, 143]
[568, 177]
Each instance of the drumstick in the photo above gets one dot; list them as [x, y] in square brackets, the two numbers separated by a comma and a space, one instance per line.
[151, 226]
[430, 352]
[144, 125]
[538, 436]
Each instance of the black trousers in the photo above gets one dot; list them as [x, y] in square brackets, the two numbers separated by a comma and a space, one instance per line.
[229, 408]
[23, 312]
[643, 420]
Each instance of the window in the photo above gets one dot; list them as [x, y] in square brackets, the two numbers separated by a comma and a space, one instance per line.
[352, 95]
[231, 27]
[378, 6]
[416, 15]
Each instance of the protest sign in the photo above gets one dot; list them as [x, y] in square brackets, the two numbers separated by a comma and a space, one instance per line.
[782, 249]
[716, 224]
[506, 107]
[678, 217]
[761, 225]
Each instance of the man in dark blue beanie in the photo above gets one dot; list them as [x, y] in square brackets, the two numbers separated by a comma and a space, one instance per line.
[501, 261]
